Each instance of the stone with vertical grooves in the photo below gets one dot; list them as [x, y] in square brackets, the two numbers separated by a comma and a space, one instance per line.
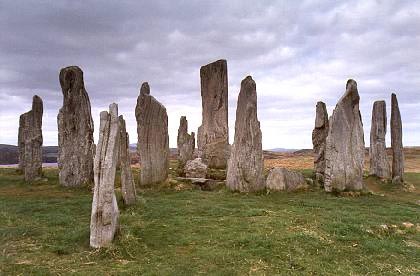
[185, 143]
[345, 146]
[153, 139]
[319, 137]
[245, 165]
[213, 134]
[30, 141]
[396, 142]
[104, 217]
[128, 187]
[75, 130]
[379, 164]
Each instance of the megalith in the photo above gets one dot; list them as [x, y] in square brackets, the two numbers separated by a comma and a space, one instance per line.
[30, 141]
[379, 164]
[75, 130]
[213, 134]
[185, 143]
[319, 136]
[345, 146]
[281, 179]
[104, 217]
[153, 139]
[128, 187]
[245, 165]
[396, 142]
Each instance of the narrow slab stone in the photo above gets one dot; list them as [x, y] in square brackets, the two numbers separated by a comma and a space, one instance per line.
[379, 164]
[153, 139]
[281, 179]
[75, 130]
[104, 218]
[319, 138]
[30, 141]
[128, 187]
[245, 166]
[345, 146]
[213, 134]
[185, 143]
[396, 142]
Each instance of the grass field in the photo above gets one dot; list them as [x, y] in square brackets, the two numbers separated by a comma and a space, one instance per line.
[177, 229]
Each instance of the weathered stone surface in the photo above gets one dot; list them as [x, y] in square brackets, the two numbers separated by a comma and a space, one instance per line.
[185, 143]
[30, 141]
[396, 142]
[213, 134]
[379, 164]
[75, 130]
[245, 165]
[344, 153]
[195, 168]
[128, 187]
[153, 139]
[281, 179]
[319, 137]
[104, 217]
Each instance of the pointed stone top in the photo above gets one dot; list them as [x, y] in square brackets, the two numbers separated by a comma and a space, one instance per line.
[37, 103]
[321, 118]
[394, 97]
[248, 82]
[351, 92]
[145, 88]
[113, 110]
[71, 76]
[351, 85]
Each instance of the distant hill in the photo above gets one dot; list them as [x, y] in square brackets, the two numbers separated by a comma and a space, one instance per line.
[281, 150]
[9, 154]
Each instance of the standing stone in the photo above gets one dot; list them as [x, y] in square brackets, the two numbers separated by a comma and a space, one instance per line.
[319, 136]
[30, 141]
[104, 217]
[153, 139]
[245, 165]
[396, 142]
[344, 153]
[185, 143]
[128, 187]
[379, 164]
[213, 134]
[75, 130]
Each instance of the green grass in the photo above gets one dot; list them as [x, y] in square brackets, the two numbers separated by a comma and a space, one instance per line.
[44, 229]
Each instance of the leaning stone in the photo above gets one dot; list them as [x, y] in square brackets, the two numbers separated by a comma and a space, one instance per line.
[185, 143]
[128, 187]
[379, 164]
[245, 165]
[104, 218]
[153, 139]
[75, 130]
[396, 142]
[345, 146]
[195, 169]
[319, 136]
[281, 179]
[213, 134]
[30, 141]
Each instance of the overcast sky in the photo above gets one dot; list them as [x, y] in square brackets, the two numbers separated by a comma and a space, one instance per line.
[298, 52]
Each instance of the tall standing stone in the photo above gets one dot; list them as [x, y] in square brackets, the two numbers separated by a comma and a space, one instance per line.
[185, 143]
[379, 164]
[30, 141]
[344, 153]
[104, 217]
[319, 137]
[213, 134]
[75, 130]
[245, 165]
[396, 142]
[153, 139]
[128, 187]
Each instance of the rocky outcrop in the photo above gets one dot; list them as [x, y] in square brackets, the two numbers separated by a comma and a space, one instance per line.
[195, 168]
[30, 141]
[213, 134]
[281, 179]
[153, 139]
[396, 142]
[345, 146]
[75, 131]
[379, 164]
[185, 143]
[319, 137]
[128, 187]
[104, 217]
[245, 165]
